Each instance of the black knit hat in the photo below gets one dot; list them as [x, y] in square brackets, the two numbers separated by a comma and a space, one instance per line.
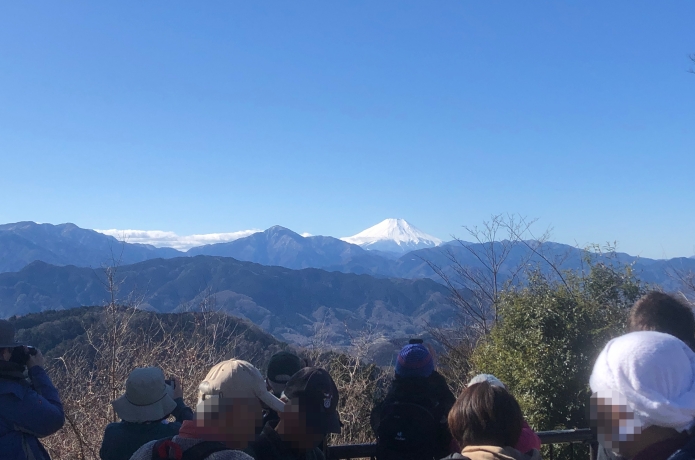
[7, 335]
[282, 366]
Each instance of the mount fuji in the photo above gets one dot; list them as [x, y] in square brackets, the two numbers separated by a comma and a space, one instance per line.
[395, 236]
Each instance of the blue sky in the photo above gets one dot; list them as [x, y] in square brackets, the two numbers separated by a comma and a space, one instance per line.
[327, 117]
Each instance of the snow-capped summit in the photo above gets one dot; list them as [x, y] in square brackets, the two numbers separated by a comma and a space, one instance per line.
[393, 235]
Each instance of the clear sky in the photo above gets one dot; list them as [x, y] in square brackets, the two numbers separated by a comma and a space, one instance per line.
[327, 117]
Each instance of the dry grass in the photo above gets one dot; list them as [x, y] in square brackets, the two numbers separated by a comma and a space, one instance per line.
[90, 377]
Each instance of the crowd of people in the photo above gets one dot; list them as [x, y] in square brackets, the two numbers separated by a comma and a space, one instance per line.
[642, 405]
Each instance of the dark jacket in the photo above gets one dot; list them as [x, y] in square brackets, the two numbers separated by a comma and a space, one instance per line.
[431, 392]
[270, 446]
[269, 416]
[686, 452]
[28, 411]
[681, 447]
[605, 454]
[122, 439]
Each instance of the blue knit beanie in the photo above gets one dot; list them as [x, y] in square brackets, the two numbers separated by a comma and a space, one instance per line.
[414, 360]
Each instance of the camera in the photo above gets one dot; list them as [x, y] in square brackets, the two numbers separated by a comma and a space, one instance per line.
[21, 355]
[171, 383]
[415, 341]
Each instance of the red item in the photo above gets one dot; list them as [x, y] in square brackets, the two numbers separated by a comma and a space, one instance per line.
[164, 449]
[528, 440]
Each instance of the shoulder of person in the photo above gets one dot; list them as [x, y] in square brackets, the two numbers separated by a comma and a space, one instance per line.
[230, 455]
[144, 452]
[317, 454]
[260, 449]
[114, 426]
[438, 381]
[36, 371]
[686, 452]
[534, 455]
[18, 388]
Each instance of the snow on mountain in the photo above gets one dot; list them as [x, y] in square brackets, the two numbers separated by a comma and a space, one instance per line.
[393, 235]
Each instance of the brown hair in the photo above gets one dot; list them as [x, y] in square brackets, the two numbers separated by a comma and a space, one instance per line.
[485, 415]
[657, 311]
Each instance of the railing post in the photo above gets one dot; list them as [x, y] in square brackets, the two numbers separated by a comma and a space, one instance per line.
[593, 450]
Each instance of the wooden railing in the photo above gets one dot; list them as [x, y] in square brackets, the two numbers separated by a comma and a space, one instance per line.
[583, 436]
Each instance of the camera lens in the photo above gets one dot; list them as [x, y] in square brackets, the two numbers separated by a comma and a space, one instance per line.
[20, 356]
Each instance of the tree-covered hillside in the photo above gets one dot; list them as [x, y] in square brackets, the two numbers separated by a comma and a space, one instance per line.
[290, 304]
[55, 332]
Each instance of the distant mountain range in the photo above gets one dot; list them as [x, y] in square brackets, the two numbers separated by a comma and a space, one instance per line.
[285, 248]
[67, 244]
[295, 287]
[294, 305]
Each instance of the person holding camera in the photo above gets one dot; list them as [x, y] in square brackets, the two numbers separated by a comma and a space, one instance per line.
[30, 406]
[144, 410]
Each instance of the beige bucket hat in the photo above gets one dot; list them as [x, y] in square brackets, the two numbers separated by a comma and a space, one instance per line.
[147, 397]
[237, 379]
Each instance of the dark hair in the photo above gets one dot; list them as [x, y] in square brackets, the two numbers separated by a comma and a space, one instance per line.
[657, 311]
[485, 415]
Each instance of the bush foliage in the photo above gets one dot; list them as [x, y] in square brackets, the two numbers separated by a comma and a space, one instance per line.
[548, 337]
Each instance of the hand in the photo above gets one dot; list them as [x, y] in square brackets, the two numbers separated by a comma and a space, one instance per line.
[36, 360]
[178, 388]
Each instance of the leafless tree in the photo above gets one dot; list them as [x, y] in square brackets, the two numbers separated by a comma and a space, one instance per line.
[499, 255]
[476, 287]
[686, 281]
[92, 372]
[360, 382]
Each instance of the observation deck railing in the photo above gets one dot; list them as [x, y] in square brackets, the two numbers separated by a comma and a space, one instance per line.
[551, 438]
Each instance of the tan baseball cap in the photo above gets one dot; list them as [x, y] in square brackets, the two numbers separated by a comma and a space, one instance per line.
[237, 379]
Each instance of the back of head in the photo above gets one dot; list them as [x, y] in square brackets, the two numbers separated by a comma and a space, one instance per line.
[235, 382]
[651, 374]
[7, 339]
[281, 367]
[414, 360]
[485, 415]
[489, 378]
[147, 396]
[229, 410]
[657, 311]
[313, 392]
